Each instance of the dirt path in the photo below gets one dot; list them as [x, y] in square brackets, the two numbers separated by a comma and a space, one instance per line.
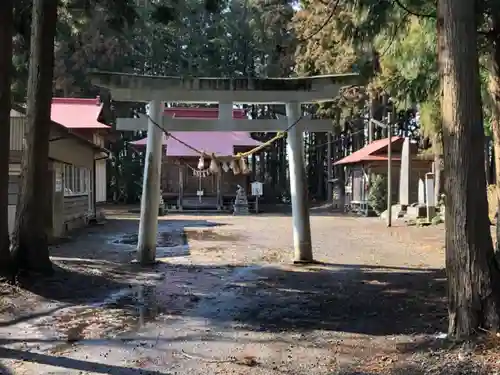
[225, 300]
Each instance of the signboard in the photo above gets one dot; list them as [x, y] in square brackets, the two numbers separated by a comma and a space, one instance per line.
[199, 193]
[59, 180]
[257, 188]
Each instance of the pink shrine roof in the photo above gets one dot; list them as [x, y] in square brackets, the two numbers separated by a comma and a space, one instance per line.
[203, 113]
[220, 143]
[77, 113]
[370, 152]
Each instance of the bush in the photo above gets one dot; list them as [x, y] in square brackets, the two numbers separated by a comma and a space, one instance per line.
[377, 195]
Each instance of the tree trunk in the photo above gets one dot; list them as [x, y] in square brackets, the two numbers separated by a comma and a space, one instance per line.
[320, 147]
[437, 144]
[487, 158]
[496, 147]
[493, 169]
[6, 31]
[338, 145]
[284, 185]
[494, 92]
[473, 275]
[30, 245]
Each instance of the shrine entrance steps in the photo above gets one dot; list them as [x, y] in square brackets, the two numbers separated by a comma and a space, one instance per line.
[207, 204]
[193, 204]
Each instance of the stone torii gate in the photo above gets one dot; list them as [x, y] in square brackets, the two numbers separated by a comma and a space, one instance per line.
[226, 91]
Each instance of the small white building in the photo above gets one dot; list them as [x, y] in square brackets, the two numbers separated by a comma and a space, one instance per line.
[77, 162]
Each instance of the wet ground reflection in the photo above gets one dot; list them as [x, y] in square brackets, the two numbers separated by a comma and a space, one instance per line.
[179, 238]
[164, 239]
[210, 235]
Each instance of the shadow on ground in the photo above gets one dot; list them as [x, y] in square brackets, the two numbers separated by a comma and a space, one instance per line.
[428, 368]
[357, 299]
[429, 365]
[122, 236]
[347, 298]
[71, 364]
[83, 283]
[4, 370]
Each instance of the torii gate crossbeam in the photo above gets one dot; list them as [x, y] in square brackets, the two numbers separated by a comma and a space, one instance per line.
[173, 124]
[156, 90]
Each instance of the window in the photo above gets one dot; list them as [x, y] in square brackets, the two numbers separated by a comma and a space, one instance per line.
[76, 180]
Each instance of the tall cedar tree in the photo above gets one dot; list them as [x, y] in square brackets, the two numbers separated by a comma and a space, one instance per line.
[473, 275]
[6, 32]
[494, 91]
[30, 247]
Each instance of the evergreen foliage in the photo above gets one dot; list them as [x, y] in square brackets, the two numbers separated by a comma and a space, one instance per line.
[377, 195]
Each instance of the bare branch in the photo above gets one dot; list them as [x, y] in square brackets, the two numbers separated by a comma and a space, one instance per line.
[408, 10]
[323, 25]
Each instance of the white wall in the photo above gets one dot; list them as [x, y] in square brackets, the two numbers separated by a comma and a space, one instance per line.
[66, 149]
[17, 131]
[100, 181]
[14, 171]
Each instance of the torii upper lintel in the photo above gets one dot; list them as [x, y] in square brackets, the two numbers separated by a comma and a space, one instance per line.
[132, 87]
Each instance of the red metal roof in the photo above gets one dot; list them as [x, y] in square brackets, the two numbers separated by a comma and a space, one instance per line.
[219, 143]
[368, 152]
[76, 113]
[203, 113]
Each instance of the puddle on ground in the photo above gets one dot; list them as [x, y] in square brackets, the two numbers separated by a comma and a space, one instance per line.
[148, 303]
[179, 238]
[164, 239]
[190, 224]
[172, 252]
[209, 235]
[141, 301]
[122, 313]
[128, 310]
[86, 323]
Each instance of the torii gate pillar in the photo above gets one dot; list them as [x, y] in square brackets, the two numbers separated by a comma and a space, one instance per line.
[298, 189]
[148, 226]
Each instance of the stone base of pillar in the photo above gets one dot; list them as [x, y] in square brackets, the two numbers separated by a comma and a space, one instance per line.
[152, 263]
[306, 262]
[240, 206]
[431, 212]
[240, 209]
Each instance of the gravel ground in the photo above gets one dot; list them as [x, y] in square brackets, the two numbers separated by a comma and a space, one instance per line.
[225, 299]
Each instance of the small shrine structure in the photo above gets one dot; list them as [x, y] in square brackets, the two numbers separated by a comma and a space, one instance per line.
[240, 202]
[186, 187]
[408, 168]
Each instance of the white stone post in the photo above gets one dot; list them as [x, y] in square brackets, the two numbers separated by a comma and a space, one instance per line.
[148, 226]
[181, 187]
[225, 111]
[389, 170]
[329, 167]
[298, 189]
[225, 114]
[430, 196]
[405, 175]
